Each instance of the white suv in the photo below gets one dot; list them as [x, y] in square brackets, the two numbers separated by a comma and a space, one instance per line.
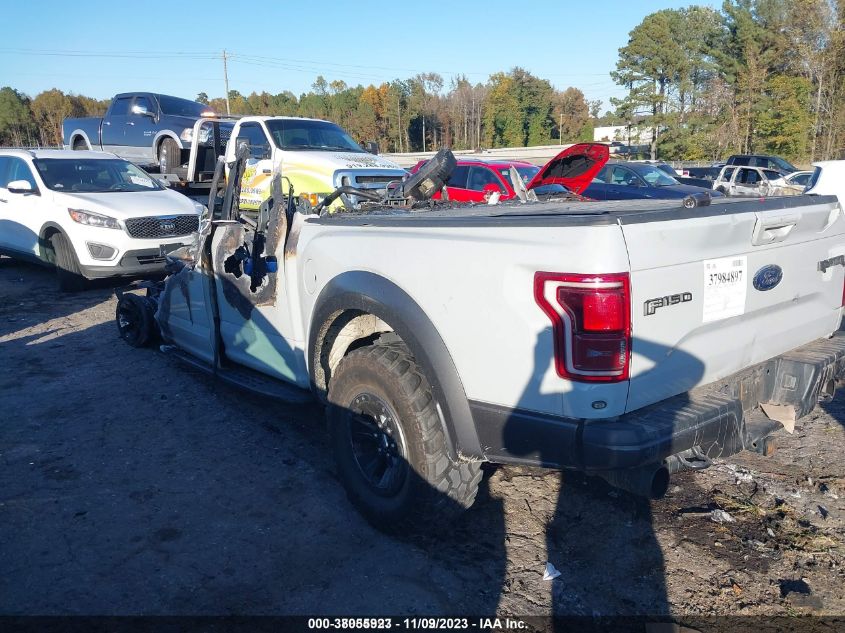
[91, 214]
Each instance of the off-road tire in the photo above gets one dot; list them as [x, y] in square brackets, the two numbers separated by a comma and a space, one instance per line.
[170, 157]
[135, 320]
[436, 487]
[67, 265]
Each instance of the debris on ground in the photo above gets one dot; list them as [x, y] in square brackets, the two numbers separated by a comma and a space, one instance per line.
[550, 573]
[720, 516]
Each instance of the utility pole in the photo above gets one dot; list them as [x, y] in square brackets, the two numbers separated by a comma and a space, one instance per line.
[560, 129]
[226, 79]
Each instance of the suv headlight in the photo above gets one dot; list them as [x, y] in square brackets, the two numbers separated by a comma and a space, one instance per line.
[187, 134]
[93, 219]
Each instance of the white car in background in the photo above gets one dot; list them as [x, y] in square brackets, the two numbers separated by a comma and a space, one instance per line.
[752, 181]
[798, 180]
[90, 214]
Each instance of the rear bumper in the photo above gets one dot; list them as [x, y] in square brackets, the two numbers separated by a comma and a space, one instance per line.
[721, 419]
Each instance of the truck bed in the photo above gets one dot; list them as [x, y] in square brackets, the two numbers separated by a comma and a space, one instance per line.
[464, 261]
[560, 212]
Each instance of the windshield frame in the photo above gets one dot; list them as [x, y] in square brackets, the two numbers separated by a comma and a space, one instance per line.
[52, 184]
[277, 127]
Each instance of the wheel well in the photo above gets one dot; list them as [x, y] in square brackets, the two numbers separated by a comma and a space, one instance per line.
[45, 248]
[76, 140]
[343, 332]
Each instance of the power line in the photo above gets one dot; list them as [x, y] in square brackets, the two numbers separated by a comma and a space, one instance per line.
[301, 65]
[107, 54]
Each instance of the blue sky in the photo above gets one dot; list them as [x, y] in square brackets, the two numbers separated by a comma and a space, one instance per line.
[100, 48]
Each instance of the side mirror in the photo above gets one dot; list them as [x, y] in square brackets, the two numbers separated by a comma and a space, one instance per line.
[20, 186]
[371, 147]
[141, 110]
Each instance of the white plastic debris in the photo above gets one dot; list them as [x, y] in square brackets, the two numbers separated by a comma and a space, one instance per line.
[720, 516]
[550, 573]
[770, 531]
[741, 475]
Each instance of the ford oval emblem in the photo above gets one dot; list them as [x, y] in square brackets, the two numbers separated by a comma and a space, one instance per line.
[768, 277]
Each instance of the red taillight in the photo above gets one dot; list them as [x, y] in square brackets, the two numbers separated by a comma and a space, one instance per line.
[591, 321]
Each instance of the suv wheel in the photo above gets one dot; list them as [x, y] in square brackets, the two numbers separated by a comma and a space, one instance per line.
[389, 445]
[67, 265]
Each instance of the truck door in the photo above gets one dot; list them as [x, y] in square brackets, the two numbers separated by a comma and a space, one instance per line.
[139, 131]
[747, 182]
[256, 324]
[113, 135]
[255, 186]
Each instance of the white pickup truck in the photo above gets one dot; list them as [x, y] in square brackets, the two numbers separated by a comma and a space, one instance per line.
[315, 156]
[628, 340]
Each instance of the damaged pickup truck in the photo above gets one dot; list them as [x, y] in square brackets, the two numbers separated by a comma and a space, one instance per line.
[628, 340]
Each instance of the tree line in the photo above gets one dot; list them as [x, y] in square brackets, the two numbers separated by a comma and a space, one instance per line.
[763, 76]
[510, 109]
[754, 76]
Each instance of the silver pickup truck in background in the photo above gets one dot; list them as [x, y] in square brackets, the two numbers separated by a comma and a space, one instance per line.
[628, 339]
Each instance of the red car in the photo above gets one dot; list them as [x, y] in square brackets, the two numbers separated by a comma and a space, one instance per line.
[474, 179]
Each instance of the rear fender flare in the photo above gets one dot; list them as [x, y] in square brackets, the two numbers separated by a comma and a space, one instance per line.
[370, 293]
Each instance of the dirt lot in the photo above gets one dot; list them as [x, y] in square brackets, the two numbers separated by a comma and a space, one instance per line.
[130, 484]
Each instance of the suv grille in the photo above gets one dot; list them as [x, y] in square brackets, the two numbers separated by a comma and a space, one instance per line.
[167, 226]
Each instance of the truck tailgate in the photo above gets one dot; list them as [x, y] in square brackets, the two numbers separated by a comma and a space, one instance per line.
[716, 289]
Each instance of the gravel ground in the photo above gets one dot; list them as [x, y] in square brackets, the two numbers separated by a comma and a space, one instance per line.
[131, 484]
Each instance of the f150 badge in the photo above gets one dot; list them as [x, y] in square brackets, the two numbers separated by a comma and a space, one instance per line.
[651, 305]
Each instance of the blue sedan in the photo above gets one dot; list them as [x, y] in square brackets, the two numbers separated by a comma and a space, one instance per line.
[633, 181]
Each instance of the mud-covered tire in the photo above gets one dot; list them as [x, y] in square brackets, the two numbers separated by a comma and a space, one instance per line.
[432, 487]
[169, 157]
[135, 320]
[68, 271]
